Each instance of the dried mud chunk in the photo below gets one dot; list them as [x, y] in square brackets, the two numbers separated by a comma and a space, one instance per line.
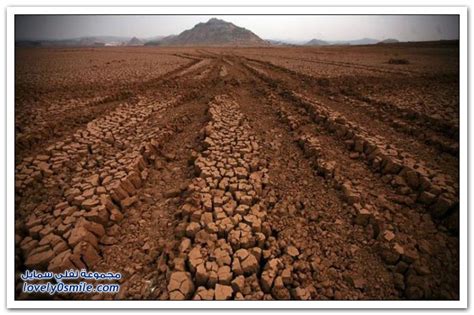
[34, 231]
[51, 239]
[128, 187]
[300, 293]
[279, 291]
[362, 217]
[421, 268]
[254, 222]
[398, 249]
[108, 240]
[225, 275]
[42, 157]
[250, 264]
[410, 255]
[426, 198]
[230, 207]
[203, 294]
[241, 173]
[88, 193]
[135, 179]
[238, 284]
[266, 280]
[80, 234]
[88, 204]
[388, 235]
[87, 253]
[222, 257]
[201, 275]
[203, 237]
[39, 260]
[425, 247]
[106, 201]
[60, 247]
[206, 218]
[356, 281]
[349, 194]
[118, 194]
[195, 258]
[171, 193]
[359, 283]
[93, 180]
[98, 214]
[32, 222]
[441, 206]
[223, 292]
[389, 256]
[127, 202]
[292, 251]
[286, 276]
[46, 230]
[213, 279]
[181, 286]
[237, 268]
[116, 215]
[412, 179]
[179, 264]
[192, 229]
[242, 209]
[399, 281]
[61, 262]
[392, 166]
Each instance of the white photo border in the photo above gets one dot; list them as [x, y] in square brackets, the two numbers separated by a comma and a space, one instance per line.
[237, 10]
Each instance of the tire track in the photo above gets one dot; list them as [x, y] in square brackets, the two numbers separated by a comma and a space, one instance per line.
[90, 180]
[239, 188]
[312, 215]
[224, 219]
[404, 236]
[340, 125]
[443, 131]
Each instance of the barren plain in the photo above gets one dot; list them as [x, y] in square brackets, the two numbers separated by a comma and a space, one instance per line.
[241, 173]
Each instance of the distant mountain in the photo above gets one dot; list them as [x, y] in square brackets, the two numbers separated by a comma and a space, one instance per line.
[317, 42]
[389, 41]
[286, 41]
[82, 42]
[276, 42]
[134, 42]
[214, 32]
[362, 41]
[153, 38]
[90, 41]
[109, 39]
[160, 41]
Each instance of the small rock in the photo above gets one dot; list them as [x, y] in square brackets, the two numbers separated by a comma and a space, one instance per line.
[223, 292]
[388, 235]
[180, 286]
[292, 251]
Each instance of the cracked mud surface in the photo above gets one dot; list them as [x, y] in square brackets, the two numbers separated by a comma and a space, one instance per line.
[240, 174]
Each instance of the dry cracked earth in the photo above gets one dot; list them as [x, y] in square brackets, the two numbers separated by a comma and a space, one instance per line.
[246, 173]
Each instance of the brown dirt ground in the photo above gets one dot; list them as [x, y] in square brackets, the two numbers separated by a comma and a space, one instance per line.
[125, 159]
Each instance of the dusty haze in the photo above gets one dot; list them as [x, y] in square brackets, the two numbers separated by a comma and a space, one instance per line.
[293, 28]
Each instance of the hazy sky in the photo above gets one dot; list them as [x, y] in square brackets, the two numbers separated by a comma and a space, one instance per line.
[325, 27]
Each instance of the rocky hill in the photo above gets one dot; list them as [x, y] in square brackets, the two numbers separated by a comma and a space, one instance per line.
[134, 42]
[215, 32]
[389, 41]
[317, 42]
